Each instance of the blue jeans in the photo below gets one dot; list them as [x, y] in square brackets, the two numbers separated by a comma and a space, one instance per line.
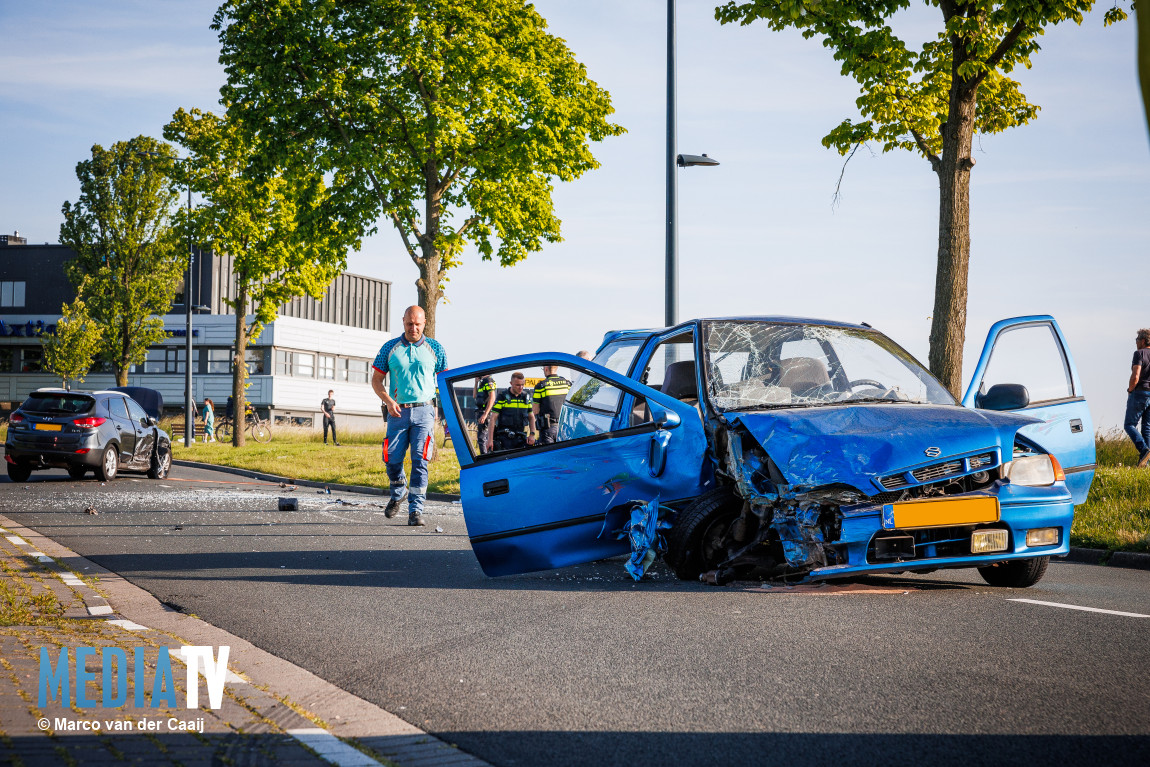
[413, 428]
[1138, 409]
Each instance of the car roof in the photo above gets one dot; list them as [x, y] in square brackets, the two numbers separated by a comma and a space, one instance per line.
[617, 335]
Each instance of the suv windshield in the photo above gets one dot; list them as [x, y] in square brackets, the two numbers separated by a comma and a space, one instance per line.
[64, 402]
[756, 365]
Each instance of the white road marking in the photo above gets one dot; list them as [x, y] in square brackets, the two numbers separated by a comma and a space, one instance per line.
[42, 557]
[331, 748]
[100, 610]
[129, 625]
[17, 540]
[1079, 607]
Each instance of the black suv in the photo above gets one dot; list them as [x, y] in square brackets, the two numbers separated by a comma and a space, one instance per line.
[103, 431]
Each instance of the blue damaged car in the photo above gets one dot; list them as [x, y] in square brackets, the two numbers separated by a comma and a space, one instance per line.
[789, 449]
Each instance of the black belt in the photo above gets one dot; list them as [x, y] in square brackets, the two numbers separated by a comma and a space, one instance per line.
[413, 404]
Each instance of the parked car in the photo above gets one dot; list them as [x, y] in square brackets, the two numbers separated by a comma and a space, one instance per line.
[104, 432]
[784, 448]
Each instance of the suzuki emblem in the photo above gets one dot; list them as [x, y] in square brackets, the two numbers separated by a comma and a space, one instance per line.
[933, 452]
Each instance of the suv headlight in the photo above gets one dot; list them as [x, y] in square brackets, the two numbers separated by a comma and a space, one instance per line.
[1033, 471]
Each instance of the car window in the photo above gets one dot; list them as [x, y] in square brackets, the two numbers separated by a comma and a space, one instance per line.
[680, 348]
[117, 408]
[137, 413]
[1032, 356]
[754, 364]
[63, 402]
[595, 394]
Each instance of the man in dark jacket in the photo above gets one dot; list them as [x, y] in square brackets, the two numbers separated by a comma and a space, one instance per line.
[1138, 397]
[328, 407]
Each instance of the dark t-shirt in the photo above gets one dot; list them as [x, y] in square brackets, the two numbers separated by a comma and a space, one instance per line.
[1142, 357]
[328, 407]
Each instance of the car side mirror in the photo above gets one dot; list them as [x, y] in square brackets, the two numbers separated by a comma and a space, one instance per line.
[1003, 397]
[663, 418]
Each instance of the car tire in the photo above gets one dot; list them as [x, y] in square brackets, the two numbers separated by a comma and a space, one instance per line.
[161, 463]
[77, 472]
[1016, 574]
[109, 464]
[18, 472]
[693, 531]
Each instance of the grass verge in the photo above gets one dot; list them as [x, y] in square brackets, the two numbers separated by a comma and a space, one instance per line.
[1116, 514]
[300, 454]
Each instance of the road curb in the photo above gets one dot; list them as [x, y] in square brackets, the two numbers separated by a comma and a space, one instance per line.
[1128, 559]
[344, 714]
[365, 489]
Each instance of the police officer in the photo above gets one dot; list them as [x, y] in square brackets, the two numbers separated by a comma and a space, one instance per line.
[548, 399]
[484, 400]
[512, 412]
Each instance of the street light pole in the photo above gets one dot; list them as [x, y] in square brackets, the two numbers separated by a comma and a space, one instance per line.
[189, 405]
[673, 161]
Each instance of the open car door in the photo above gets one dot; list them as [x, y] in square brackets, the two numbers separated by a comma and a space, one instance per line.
[1032, 352]
[540, 507]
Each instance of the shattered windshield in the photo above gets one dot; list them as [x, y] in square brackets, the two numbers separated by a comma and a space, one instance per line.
[757, 365]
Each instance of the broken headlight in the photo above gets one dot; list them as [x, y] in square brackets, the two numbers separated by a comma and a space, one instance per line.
[1033, 471]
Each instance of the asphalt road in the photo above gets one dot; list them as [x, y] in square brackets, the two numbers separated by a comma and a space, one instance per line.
[583, 666]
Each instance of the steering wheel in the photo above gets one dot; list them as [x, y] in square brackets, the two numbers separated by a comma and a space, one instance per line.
[867, 382]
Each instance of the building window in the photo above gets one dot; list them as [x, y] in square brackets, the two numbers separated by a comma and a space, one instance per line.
[167, 360]
[326, 367]
[6, 356]
[219, 360]
[31, 360]
[255, 361]
[299, 364]
[355, 371]
[12, 293]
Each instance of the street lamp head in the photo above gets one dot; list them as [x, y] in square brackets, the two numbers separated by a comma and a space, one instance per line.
[687, 160]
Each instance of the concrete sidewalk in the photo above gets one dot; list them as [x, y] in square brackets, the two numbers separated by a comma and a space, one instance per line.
[270, 711]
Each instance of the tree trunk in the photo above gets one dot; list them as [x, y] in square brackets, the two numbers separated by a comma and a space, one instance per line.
[948, 326]
[240, 364]
[427, 286]
[122, 366]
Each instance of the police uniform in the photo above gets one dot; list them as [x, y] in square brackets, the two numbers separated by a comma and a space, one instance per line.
[484, 391]
[511, 418]
[549, 395]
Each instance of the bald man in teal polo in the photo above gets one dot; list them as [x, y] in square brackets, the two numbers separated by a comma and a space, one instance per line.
[412, 360]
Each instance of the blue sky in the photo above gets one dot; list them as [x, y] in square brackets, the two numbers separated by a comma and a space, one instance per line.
[1058, 208]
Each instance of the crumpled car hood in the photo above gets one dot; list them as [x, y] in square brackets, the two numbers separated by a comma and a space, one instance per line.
[853, 444]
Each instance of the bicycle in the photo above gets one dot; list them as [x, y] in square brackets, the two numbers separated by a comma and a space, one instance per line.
[259, 429]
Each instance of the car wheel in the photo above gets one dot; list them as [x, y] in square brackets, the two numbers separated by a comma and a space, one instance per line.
[18, 472]
[694, 544]
[77, 472]
[109, 465]
[1016, 574]
[161, 463]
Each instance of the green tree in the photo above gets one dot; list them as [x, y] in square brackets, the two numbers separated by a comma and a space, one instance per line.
[72, 350]
[450, 118]
[930, 101]
[267, 220]
[129, 260]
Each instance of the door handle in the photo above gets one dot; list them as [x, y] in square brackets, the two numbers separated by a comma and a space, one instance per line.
[1075, 425]
[495, 487]
[657, 452]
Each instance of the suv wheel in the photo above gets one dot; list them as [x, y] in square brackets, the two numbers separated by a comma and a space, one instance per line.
[18, 472]
[1016, 574]
[161, 463]
[77, 472]
[109, 465]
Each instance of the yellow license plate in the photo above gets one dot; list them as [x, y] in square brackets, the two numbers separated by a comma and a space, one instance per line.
[48, 427]
[941, 513]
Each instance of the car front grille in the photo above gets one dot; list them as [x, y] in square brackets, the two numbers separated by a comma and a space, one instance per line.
[938, 471]
[951, 468]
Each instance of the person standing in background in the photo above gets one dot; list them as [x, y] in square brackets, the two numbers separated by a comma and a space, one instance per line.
[328, 407]
[209, 416]
[1138, 397]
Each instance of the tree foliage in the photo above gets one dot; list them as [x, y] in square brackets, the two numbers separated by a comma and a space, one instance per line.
[129, 260]
[449, 118]
[72, 350]
[270, 221]
[929, 101]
